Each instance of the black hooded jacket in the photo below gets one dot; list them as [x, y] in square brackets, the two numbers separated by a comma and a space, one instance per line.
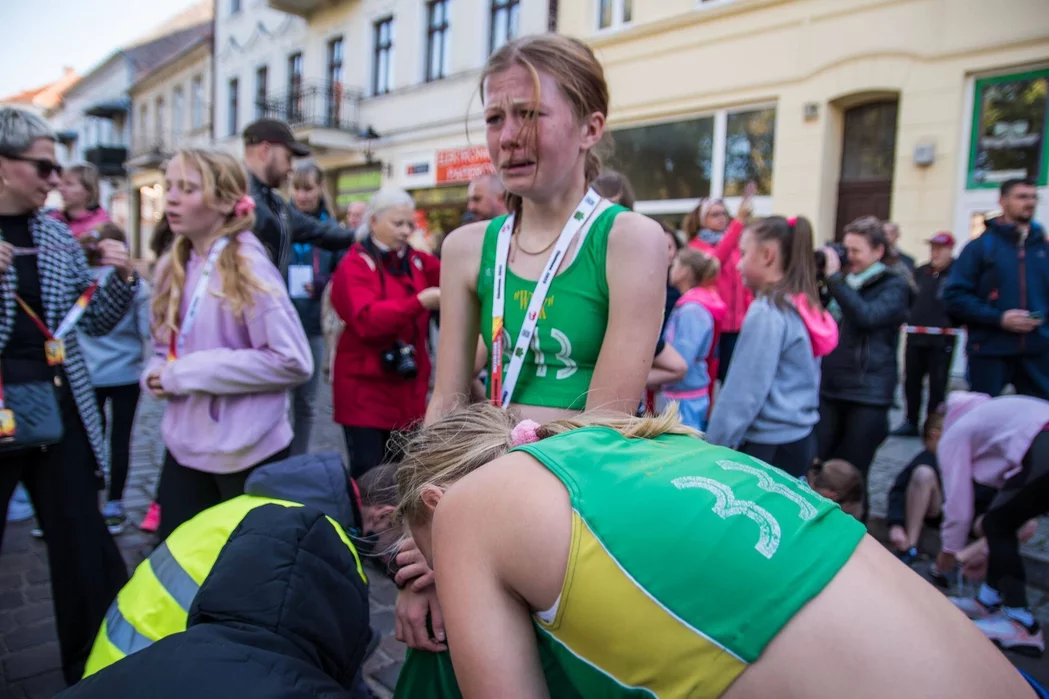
[284, 613]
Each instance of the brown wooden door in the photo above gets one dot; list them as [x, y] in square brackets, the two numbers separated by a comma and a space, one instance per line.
[867, 163]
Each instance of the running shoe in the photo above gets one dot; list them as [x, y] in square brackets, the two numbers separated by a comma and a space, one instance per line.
[36, 533]
[113, 514]
[947, 581]
[974, 608]
[907, 429]
[151, 522]
[908, 557]
[1009, 634]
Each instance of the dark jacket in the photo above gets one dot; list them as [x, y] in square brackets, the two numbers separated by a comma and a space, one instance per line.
[994, 274]
[928, 310]
[863, 367]
[278, 225]
[323, 263]
[283, 613]
[376, 295]
[897, 513]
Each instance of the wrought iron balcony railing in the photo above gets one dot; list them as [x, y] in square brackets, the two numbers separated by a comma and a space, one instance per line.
[329, 106]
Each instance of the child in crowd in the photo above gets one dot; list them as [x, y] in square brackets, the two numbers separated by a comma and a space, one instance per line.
[115, 362]
[769, 403]
[839, 481]
[1002, 443]
[916, 497]
[693, 331]
[229, 345]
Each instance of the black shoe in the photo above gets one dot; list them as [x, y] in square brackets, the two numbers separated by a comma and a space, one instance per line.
[908, 557]
[907, 429]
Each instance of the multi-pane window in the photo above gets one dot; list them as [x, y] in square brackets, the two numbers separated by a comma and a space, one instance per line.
[234, 105]
[261, 80]
[382, 75]
[334, 80]
[196, 99]
[177, 107]
[750, 138]
[295, 87]
[505, 16]
[158, 133]
[143, 127]
[436, 39]
[612, 14]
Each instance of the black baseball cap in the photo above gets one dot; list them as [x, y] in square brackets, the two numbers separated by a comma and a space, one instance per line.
[273, 131]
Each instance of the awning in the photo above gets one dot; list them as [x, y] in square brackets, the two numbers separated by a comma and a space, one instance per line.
[109, 108]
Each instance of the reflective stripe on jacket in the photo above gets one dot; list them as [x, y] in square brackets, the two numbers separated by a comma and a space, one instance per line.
[155, 603]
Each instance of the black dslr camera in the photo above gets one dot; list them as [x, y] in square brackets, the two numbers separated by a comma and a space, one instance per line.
[821, 259]
[400, 359]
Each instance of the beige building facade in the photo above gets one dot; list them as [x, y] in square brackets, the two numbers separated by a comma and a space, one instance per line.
[171, 108]
[913, 110]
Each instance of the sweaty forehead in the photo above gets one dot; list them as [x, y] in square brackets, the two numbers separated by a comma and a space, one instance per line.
[514, 87]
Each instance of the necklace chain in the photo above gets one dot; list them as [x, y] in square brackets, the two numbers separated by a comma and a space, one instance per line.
[517, 241]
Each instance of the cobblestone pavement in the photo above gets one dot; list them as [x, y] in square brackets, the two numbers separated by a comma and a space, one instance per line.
[29, 665]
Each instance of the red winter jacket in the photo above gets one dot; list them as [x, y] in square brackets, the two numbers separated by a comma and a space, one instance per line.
[379, 307]
[730, 285]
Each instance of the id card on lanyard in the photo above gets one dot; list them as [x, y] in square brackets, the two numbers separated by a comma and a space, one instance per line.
[503, 389]
[54, 347]
[177, 341]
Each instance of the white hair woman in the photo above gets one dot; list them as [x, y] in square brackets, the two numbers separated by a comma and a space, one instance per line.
[384, 291]
[43, 275]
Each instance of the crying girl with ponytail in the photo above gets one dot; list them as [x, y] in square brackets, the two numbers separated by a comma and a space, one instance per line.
[768, 406]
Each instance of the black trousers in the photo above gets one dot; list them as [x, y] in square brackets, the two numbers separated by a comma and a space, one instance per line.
[1023, 497]
[183, 492]
[87, 569]
[368, 447]
[123, 401]
[991, 375]
[852, 432]
[926, 357]
[726, 346]
[795, 458]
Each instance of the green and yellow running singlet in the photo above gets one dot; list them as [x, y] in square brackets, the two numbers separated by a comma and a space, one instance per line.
[686, 560]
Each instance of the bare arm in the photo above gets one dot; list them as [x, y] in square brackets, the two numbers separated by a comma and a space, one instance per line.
[460, 316]
[636, 273]
[668, 367]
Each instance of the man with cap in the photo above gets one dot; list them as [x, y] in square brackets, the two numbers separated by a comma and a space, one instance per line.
[930, 336]
[268, 148]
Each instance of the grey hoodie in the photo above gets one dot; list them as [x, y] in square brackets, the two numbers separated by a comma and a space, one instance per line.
[316, 480]
[771, 393]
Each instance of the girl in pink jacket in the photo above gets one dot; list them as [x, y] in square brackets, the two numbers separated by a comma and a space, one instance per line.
[229, 345]
[1001, 444]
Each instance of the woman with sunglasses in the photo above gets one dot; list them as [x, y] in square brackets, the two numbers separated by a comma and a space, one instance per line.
[46, 300]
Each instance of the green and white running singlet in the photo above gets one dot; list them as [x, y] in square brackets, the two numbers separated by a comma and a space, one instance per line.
[571, 328]
[686, 560]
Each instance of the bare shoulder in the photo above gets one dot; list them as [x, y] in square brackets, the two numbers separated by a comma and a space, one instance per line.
[461, 252]
[517, 516]
[634, 232]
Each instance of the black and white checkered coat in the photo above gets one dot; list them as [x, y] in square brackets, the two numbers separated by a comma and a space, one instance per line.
[64, 275]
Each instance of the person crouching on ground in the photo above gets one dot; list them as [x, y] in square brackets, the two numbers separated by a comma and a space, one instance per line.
[228, 343]
[916, 497]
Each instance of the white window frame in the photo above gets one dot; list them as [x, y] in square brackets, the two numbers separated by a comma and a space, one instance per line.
[762, 202]
[617, 16]
[391, 51]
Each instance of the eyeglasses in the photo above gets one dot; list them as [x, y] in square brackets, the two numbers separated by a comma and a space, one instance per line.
[44, 167]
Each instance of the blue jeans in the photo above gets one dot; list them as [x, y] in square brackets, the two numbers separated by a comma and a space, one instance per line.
[304, 401]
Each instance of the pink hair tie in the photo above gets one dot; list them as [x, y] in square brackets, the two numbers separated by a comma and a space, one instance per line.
[792, 221]
[244, 206]
[524, 433]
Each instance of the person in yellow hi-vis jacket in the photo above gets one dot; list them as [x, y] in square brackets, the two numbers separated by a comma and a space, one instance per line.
[155, 603]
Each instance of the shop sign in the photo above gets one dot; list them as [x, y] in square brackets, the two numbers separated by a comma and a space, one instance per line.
[458, 165]
[1010, 128]
[356, 184]
[417, 169]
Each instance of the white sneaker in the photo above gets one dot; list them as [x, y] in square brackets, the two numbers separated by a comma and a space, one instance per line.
[1009, 634]
[974, 608]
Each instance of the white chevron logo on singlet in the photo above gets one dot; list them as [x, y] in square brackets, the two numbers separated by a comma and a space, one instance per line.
[726, 505]
[765, 482]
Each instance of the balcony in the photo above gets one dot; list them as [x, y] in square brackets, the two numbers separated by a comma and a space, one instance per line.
[108, 159]
[302, 8]
[326, 116]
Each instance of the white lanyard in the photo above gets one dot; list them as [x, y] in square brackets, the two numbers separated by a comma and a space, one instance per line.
[198, 297]
[73, 316]
[502, 390]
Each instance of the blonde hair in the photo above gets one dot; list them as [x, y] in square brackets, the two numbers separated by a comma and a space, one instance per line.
[470, 437]
[705, 268]
[88, 176]
[577, 72]
[223, 181]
